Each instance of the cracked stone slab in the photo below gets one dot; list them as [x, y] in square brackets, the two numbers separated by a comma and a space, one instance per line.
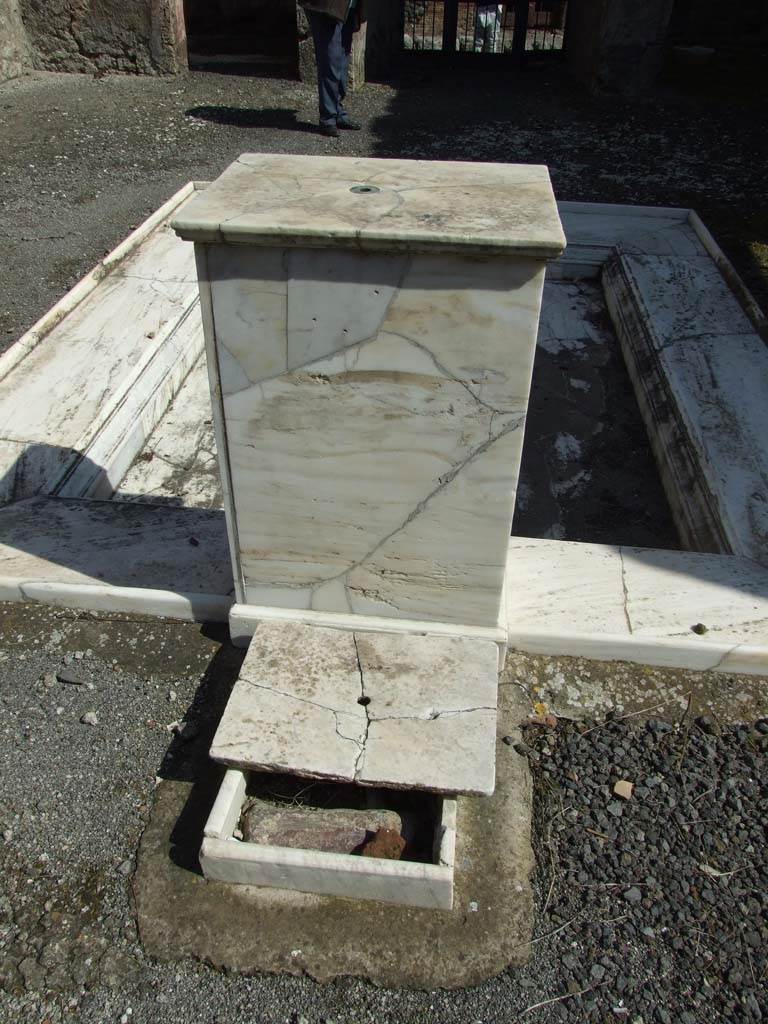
[378, 709]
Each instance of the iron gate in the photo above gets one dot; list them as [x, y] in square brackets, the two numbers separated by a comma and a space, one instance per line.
[512, 30]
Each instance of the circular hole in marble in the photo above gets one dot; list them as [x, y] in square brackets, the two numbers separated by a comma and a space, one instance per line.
[364, 190]
[364, 701]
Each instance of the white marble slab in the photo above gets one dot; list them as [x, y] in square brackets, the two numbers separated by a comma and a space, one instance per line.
[363, 203]
[380, 471]
[225, 859]
[377, 709]
[116, 557]
[638, 604]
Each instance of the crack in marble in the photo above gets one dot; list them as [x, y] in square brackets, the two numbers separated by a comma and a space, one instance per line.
[303, 700]
[444, 481]
[447, 373]
[431, 715]
[625, 590]
[364, 702]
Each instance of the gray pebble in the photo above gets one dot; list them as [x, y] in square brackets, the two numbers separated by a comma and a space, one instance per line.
[89, 718]
[67, 675]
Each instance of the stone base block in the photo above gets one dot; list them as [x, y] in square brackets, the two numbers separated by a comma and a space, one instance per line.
[245, 928]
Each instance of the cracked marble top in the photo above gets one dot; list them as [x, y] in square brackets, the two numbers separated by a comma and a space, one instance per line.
[401, 205]
[379, 709]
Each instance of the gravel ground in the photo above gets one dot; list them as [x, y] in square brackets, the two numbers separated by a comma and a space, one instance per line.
[75, 798]
[662, 897]
[84, 159]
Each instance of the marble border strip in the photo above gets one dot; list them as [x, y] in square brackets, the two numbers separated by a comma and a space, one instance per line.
[748, 659]
[87, 284]
[244, 620]
[226, 859]
[637, 604]
[96, 597]
[731, 275]
[110, 445]
[699, 372]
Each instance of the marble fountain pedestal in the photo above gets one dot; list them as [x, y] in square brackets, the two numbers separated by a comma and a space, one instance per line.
[370, 330]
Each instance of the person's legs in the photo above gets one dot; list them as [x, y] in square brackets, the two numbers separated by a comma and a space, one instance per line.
[345, 40]
[331, 67]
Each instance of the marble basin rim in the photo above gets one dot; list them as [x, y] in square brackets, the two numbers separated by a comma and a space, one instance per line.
[224, 858]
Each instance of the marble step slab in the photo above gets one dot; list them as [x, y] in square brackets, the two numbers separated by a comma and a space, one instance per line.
[109, 556]
[410, 712]
[700, 373]
[80, 391]
[226, 859]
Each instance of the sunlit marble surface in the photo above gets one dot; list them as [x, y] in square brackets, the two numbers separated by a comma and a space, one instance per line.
[373, 402]
[343, 202]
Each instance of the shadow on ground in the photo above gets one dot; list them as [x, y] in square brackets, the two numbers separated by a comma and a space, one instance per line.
[279, 118]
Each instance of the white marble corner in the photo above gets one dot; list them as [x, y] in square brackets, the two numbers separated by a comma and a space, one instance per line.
[376, 709]
[226, 859]
[639, 605]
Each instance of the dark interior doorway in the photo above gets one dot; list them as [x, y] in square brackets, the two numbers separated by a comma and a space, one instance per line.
[241, 31]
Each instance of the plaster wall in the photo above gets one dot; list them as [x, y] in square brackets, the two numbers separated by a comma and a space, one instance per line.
[15, 55]
[143, 36]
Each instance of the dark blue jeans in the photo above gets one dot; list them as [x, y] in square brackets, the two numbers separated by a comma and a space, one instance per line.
[333, 46]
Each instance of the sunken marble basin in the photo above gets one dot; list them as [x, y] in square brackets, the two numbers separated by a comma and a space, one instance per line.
[370, 329]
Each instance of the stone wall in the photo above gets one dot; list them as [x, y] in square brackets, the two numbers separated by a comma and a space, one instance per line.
[618, 45]
[15, 55]
[139, 36]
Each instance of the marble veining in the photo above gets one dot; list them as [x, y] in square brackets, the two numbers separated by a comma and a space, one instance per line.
[374, 408]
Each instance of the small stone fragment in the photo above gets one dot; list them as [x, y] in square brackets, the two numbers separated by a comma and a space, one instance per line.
[508, 740]
[633, 895]
[126, 867]
[624, 789]
[386, 844]
[700, 629]
[89, 718]
[49, 679]
[340, 830]
[708, 725]
[67, 675]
